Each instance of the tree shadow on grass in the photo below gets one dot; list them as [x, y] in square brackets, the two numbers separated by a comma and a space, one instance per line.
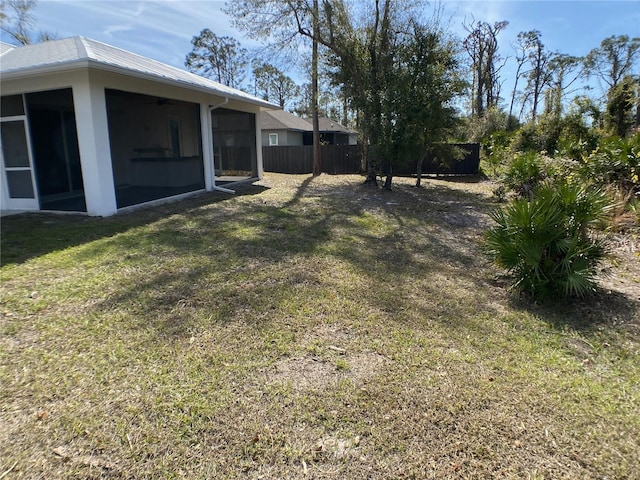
[208, 256]
[31, 235]
[605, 309]
[397, 245]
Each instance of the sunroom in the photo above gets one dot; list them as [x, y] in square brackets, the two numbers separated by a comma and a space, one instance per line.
[87, 127]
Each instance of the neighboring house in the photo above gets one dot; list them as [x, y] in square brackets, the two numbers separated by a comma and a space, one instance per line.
[92, 128]
[331, 133]
[281, 128]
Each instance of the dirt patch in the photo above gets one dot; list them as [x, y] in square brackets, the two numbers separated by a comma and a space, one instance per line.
[622, 270]
[337, 335]
[313, 373]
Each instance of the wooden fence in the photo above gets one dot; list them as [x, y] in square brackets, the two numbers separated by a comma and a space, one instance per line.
[335, 159]
[469, 164]
[347, 159]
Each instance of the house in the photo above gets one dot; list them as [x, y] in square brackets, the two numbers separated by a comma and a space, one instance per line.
[88, 127]
[331, 133]
[281, 128]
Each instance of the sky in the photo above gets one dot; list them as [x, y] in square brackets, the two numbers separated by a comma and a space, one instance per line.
[162, 29]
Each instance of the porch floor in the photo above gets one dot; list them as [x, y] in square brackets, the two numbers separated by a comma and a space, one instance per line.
[130, 195]
[126, 196]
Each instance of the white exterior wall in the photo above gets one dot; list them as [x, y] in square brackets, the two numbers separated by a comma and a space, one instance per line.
[95, 151]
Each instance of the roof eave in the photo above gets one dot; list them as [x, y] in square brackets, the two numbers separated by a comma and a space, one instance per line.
[179, 83]
[44, 70]
[90, 64]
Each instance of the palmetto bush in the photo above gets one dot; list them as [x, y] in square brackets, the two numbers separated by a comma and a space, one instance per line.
[544, 241]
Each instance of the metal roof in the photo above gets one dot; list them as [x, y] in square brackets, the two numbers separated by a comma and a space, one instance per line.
[5, 47]
[80, 52]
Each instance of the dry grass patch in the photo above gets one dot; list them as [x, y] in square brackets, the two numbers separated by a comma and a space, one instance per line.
[306, 328]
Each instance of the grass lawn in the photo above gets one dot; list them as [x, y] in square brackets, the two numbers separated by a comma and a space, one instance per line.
[306, 328]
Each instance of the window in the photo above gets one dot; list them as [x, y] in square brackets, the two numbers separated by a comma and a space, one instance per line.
[273, 139]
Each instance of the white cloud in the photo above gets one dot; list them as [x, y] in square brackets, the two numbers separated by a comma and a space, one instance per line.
[139, 10]
[111, 29]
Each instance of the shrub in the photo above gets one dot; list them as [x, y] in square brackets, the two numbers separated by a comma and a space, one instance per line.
[615, 162]
[538, 136]
[492, 120]
[543, 242]
[634, 207]
[524, 173]
[577, 140]
[495, 149]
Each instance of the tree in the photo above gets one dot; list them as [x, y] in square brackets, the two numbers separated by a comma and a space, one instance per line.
[332, 101]
[273, 85]
[613, 60]
[539, 76]
[362, 45]
[530, 50]
[564, 71]
[428, 78]
[620, 101]
[317, 169]
[361, 61]
[17, 19]
[613, 63]
[219, 58]
[302, 107]
[522, 45]
[283, 23]
[548, 75]
[482, 46]
[400, 74]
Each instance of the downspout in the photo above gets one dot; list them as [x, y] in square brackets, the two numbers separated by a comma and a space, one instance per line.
[215, 187]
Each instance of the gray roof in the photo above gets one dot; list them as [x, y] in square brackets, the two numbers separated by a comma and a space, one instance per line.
[80, 52]
[282, 120]
[325, 124]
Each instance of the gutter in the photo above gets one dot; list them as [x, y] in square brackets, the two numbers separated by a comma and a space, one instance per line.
[216, 187]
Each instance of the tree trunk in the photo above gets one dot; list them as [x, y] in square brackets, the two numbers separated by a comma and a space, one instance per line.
[371, 176]
[419, 171]
[479, 92]
[345, 106]
[317, 168]
[387, 181]
[637, 119]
